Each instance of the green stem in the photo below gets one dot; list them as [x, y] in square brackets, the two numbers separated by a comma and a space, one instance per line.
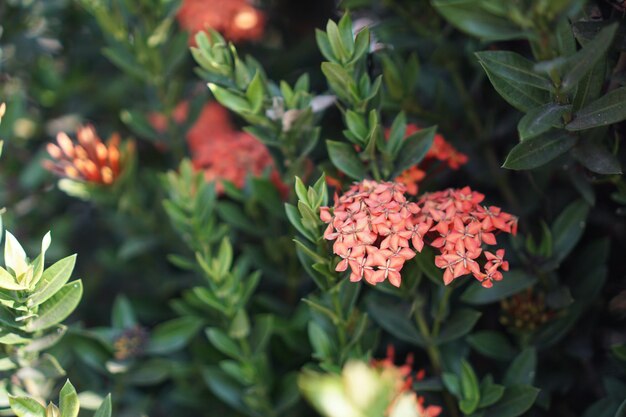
[443, 305]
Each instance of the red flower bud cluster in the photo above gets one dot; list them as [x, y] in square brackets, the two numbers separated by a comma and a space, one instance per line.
[89, 160]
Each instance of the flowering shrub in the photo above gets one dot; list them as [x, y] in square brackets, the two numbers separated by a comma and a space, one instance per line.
[289, 199]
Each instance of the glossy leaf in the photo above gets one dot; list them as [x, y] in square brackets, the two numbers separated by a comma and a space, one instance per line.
[522, 96]
[608, 109]
[492, 344]
[413, 149]
[541, 119]
[68, 401]
[539, 150]
[173, 335]
[585, 59]
[53, 278]
[568, 228]
[513, 67]
[395, 322]
[26, 407]
[522, 370]
[470, 390]
[458, 325]
[105, 408]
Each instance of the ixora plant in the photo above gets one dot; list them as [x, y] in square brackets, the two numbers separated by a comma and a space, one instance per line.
[392, 269]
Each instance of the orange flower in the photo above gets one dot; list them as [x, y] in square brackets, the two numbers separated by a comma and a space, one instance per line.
[236, 20]
[179, 115]
[441, 150]
[89, 160]
[224, 153]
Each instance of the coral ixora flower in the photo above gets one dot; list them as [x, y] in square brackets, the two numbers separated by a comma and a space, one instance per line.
[224, 153]
[235, 19]
[90, 160]
[376, 230]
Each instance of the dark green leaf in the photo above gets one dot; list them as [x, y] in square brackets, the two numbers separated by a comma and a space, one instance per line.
[584, 60]
[568, 228]
[522, 369]
[413, 149]
[345, 158]
[515, 402]
[541, 119]
[513, 67]
[470, 390]
[173, 335]
[490, 393]
[492, 344]
[513, 282]
[596, 158]
[395, 322]
[105, 408]
[458, 325]
[539, 150]
[521, 96]
[608, 109]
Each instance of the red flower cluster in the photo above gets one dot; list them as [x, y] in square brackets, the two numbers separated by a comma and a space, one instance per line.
[441, 150]
[461, 226]
[236, 20]
[89, 160]
[406, 371]
[371, 225]
[224, 153]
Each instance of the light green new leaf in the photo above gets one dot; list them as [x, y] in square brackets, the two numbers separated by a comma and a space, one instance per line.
[52, 280]
[58, 307]
[14, 255]
[539, 150]
[68, 401]
[26, 407]
[230, 100]
[7, 281]
[470, 390]
[105, 408]
[608, 109]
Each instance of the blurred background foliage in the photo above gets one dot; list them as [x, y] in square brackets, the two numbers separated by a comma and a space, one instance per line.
[156, 292]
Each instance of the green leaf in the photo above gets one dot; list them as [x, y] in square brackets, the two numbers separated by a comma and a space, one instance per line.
[511, 66]
[255, 93]
[322, 345]
[458, 325]
[590, 87]
[608, 109]
[490, 393]
[122, 315]
[68, 401]
[539, 150]
[324, 45]
[469, 17]
[336, 42]
[452, 383]
[357, 125]
[522, 369]
[513, 282]
[105, 408]
[58, 307]
[519, 95]
[223, 343]
[584, 60]
[470, 390]
[338, 78]
[515, 402]
[150, 372]
[541, 119]
[395, 322]
[26, 407]
[53, 278]
[413, 149]
[568, 228]
[230, 100]
[345, 158]
[596, 158]
[7, 281]
[492, 344]
[173, 335]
